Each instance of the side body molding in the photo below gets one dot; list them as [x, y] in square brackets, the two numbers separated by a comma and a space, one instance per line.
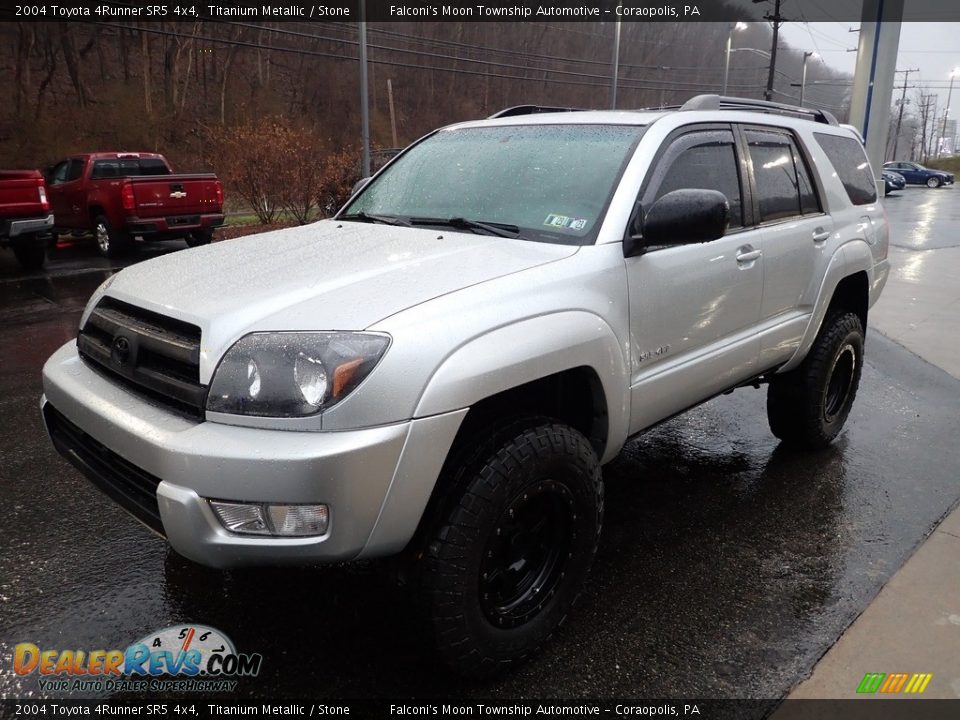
[530, 350]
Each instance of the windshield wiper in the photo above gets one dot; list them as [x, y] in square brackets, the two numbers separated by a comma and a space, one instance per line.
[383, 219]
[504, 230]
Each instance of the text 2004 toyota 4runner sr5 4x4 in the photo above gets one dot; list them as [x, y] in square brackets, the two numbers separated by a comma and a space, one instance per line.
[439, 371]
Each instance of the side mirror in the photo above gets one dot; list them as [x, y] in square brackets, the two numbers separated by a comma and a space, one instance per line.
[359, 185]
[685, 217]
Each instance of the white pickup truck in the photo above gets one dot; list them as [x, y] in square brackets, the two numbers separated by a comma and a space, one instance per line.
[439, 372]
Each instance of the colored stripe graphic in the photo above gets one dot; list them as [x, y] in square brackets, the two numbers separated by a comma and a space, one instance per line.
[871, 682]
[894, 683]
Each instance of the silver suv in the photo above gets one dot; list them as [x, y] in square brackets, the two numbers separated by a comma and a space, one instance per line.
[439, 372]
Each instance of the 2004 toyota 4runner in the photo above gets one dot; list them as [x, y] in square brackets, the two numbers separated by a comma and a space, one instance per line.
[439, 372]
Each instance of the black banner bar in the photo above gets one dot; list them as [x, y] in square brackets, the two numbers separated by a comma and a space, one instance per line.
[866, 708]
[144, 11]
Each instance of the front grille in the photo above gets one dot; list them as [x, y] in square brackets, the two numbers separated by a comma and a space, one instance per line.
[134, 489]
[154, 354]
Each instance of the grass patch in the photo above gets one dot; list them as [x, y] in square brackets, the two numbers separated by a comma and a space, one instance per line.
[950, 164]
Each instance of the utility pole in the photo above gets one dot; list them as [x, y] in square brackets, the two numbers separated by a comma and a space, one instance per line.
[393, 114]
[946, 114]
[903, 101]
[364, 94]
[925, 103]
[777, 20]
[616, 65]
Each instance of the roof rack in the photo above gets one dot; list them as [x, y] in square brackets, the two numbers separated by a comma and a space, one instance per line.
[528, 110]
[722, 102]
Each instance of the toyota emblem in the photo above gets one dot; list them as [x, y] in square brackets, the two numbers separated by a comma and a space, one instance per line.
[120, 351]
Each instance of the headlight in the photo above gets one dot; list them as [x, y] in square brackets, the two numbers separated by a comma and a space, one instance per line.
[292, 374]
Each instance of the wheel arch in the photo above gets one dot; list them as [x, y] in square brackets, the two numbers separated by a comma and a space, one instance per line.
[846, 285]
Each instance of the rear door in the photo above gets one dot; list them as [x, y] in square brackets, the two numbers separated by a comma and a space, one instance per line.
[694, 308]
[795, 230]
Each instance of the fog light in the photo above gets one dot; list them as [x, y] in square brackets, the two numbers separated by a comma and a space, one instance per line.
[267, 519]
[240, 518]
[298, 520]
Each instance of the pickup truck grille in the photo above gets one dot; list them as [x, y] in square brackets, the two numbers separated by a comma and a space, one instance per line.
[134, 489]
[155, 355]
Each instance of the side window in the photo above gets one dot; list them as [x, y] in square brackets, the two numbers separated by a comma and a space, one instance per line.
[778, 185]
[705, 160]
[809, 203]
[59, 173]
[75, 170]
[848, 158]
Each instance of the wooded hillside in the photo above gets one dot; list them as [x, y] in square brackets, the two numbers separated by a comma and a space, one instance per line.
[171, 87]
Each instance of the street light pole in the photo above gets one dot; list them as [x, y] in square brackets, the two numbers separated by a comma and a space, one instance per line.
[946, 112]
[803, 79]
[726, 65]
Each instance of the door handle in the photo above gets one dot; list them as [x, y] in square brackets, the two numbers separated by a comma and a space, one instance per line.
[747, 254]
[820, 235]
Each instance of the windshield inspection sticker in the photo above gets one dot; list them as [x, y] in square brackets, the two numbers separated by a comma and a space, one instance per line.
[562, 221]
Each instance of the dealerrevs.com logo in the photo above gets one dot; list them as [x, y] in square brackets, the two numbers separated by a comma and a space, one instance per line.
[180, 657]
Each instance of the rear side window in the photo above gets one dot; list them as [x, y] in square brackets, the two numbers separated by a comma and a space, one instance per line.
[706, 160]
[848, 158]
[784, 188]
[128, 167]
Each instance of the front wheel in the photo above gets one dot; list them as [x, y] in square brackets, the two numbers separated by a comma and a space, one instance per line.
[933, 182]
[511, 553]
[809, 406]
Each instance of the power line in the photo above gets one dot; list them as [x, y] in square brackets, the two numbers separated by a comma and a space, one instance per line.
[634, 83]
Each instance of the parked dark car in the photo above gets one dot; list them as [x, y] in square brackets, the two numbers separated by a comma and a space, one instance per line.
[917, 174]
[893, 181]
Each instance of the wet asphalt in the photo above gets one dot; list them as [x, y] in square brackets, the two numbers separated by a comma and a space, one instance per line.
[728, 564]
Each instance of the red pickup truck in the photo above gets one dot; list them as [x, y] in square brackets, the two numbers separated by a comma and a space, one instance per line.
[25, 217]
[119, 196]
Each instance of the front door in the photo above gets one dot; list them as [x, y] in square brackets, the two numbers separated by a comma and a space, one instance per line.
[694, 308]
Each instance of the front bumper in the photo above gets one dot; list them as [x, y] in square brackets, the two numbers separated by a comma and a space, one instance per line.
[353, 472]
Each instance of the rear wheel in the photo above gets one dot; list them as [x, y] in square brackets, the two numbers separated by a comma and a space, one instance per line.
[809, 406]
[933, 182]
[199, 237]
[511, 552]
[111, 243]
[31, 256]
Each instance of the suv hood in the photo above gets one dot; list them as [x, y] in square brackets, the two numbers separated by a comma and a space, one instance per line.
[329, 275]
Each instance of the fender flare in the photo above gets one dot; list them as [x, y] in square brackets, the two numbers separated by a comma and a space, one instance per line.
[529, 350]
[849, 259]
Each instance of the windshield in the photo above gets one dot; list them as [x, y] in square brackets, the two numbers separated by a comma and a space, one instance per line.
[549, 183]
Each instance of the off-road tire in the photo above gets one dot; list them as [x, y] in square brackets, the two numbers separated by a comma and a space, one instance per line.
[804, 407]
[110, 243]
[31, 256]
[506, 481]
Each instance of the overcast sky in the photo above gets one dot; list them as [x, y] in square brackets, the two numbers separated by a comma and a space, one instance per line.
[933, 48]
